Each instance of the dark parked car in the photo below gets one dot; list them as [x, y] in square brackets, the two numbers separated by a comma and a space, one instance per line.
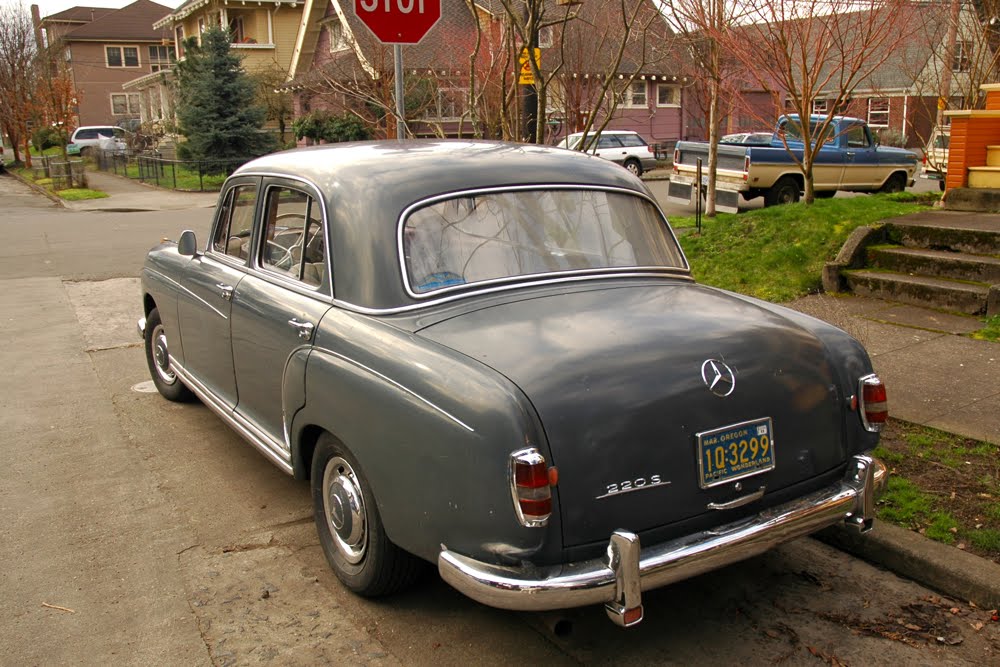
[493, 357]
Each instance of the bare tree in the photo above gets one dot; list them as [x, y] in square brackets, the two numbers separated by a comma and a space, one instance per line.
[17, 77]
[705, 25]
[809, 50]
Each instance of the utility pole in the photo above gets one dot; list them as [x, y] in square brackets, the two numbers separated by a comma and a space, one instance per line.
[530, 92]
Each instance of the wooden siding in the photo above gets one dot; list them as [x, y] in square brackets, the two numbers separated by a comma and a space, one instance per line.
[970, 135]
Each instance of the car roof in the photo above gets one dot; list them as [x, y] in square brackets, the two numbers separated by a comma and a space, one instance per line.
[369, 185]
[577, 134]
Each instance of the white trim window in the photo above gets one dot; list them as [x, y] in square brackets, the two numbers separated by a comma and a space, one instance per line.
[121, 56]
[634, 97]
[338, 38]
[878, 112]
[962, 58]
[125, 104]
[450, 103]
[160, 57]
[668, 95]
[545, 39]
[821, 106]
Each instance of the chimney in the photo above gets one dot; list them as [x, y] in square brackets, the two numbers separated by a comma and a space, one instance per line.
[36, 21]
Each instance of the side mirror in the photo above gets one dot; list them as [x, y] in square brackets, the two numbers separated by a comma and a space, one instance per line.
[187, 245]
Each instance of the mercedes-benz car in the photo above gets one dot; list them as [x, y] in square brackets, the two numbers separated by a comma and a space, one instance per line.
[493, 357]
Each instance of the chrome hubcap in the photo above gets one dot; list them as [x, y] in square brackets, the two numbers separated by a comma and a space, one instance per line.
[161, 357]
[344, 506]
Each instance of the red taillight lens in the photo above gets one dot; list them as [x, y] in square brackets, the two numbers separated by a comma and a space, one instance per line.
[874, 408]
[677, 159]
[530, 487]
[746, 168]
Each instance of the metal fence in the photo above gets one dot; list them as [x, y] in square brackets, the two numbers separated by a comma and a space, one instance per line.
[151, 167]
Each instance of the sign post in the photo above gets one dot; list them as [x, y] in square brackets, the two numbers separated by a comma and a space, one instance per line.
[398, 22]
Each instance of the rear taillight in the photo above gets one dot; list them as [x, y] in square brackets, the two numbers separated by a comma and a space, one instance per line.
[746, 167]
[677, 159]
[529, 485]
[874, 406]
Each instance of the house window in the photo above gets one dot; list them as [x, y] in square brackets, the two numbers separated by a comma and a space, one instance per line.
[451, 102]
[668, 95]
[125, 104]
[634, 96]
[878, 111]
[122, 56]
[545, 37]
[160, 58]
[821, 106]
[962, 59]
[338, 40]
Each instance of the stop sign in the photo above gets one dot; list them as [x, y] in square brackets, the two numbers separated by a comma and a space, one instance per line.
[398, 21]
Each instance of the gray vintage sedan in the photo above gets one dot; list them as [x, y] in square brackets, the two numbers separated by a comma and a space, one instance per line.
[493, 357]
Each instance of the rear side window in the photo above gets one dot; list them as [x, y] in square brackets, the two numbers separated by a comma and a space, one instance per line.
[608, 141]
[631, 140]
[293, 236]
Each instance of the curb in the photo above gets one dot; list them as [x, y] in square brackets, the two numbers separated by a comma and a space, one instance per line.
[944, 568]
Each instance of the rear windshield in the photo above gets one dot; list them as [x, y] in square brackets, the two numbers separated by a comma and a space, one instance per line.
[502, 235]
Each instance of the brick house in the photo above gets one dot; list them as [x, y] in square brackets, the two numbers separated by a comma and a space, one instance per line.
[900, 99]
[341, 67]
[106, 48]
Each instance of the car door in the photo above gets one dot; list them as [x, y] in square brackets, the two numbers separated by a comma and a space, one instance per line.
[205, 305]
[861, 168]
[279, 305]
[610, 148]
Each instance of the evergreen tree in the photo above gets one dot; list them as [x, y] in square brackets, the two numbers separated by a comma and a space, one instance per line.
[216, 109]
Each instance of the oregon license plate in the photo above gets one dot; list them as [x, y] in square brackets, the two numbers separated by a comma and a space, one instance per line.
[734, 452]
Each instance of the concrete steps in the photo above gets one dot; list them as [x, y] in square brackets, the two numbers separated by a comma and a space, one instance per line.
[944, 260]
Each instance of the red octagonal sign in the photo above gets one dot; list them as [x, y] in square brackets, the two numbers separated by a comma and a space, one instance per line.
[398, 21]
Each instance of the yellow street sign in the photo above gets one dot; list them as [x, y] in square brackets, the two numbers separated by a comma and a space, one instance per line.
[526, 77]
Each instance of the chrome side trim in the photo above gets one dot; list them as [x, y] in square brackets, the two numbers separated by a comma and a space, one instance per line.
[388, 379]
[616, 580]
[521, 284]
[263, 442]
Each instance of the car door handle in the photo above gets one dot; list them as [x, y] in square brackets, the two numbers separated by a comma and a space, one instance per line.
[225, 290]
[305, 329]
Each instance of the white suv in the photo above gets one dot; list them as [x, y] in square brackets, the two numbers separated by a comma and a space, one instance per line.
[89, 137]
[623, 147]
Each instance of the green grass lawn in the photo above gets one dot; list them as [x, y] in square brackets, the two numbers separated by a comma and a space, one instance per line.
[778, 253]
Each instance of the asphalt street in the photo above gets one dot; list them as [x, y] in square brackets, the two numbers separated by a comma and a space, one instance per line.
[140, 531]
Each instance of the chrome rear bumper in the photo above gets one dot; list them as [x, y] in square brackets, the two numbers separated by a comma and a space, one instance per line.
[618, 578]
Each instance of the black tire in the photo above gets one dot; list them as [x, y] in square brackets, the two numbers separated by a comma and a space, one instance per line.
[350, 528]
[785, 191]
[634, 166]
[895, 183]
[158, 360]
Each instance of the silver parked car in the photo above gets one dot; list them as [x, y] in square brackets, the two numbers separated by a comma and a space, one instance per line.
[622, 147]
[493, 357]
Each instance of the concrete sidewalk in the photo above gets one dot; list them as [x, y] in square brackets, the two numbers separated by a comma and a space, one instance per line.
[126, 195]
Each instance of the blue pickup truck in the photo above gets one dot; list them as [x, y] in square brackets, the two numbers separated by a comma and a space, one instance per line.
[850, 159]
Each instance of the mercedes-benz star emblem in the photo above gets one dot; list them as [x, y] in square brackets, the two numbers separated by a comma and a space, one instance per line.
[718, 377]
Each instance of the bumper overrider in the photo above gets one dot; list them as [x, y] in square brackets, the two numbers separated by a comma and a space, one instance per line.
[618, 578]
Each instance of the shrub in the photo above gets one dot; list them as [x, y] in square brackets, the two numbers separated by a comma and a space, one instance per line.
[324, 126]
[47, 137]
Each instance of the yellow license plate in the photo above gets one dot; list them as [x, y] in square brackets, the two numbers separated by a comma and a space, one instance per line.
[733, 452]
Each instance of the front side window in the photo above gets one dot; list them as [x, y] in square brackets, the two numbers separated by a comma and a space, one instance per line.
[503, 235]
[232, 236]
[293, 236]
[857, 137]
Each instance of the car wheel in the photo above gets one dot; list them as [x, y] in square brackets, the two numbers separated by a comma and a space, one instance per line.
[634, 166]
[158, 360]
[785, 191]
[350, 528]
[896, 183]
